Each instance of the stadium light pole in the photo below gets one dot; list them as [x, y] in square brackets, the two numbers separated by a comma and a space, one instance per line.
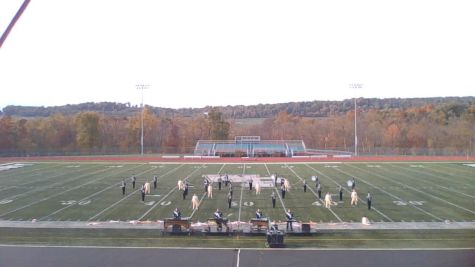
[141, 87]
[356, 86]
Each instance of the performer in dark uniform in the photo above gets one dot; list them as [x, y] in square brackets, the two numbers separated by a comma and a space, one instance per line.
[123, 187]
[218, 215]
[275, 179]
[219, 182]
[282, 190]
[290, 218]
[304, 186]
[177, 214]
[133, 182]
[282, 180]
[259, 214]
[273, 199]
[154, 182]
[206, 183]
[231, 189]
[226, 179]
[353, 183]
[317, 181]
[142, 192]
[319, 191]
[250, 184]
[369, 198]
[340, 191]
[185, 190]
[230, 199]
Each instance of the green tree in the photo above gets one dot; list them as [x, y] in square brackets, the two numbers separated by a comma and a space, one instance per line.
[88, 134]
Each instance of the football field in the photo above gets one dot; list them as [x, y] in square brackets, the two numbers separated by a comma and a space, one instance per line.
[90, 191]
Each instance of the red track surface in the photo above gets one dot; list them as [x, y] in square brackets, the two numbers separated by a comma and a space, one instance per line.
[237, 160]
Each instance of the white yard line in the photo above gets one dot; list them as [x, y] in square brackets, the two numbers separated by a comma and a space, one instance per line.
[431, 183]
[277, 192]
[393, 196]
[124, 198]
[316, 195]
[94, 194]
[240, 200]
[419, 191]
[237, 260]
[343, 187]
[169, 193]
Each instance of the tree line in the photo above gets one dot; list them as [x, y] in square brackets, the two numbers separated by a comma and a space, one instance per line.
[303, 109]
[447, 129]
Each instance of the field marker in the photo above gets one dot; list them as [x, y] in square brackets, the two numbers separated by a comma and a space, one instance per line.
[393, 196]
[311, 189]
[422, 192]
[344, 187]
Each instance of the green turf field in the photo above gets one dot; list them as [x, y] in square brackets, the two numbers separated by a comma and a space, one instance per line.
[81, 191]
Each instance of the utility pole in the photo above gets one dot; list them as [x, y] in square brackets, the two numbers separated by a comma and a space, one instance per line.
[356, 86]
[141, 87]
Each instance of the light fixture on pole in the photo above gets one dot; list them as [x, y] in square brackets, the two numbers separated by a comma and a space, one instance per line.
[356, 86]
[141, 87]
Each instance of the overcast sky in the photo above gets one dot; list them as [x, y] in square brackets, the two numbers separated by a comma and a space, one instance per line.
[197, 53]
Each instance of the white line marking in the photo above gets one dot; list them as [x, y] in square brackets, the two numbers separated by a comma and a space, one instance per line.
[238, 254]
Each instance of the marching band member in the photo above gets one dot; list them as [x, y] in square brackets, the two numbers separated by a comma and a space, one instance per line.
[328, 200]
[210, 191]
[340, 191]
[123, 187]
[290, 218]
[369, 198]
[218, 215]
[133, 182]
[250, 184]
[219, 182]
[273, 199]
[353, 183]
[142, 192]
[195, 202]
[354, 198]
[177, 214]
[304, 186]
[230, 199]
[154, 182]
[185, 190]
[319, 191]
[259, 214]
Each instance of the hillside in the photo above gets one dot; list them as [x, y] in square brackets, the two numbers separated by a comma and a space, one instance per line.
[303, 109]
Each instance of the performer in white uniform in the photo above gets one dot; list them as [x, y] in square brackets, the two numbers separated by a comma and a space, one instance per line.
[328, 200]
[210, 191]
[258, 188]
[195, 202]
[354, 198]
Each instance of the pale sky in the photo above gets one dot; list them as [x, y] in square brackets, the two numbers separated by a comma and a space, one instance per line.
[198, 53]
